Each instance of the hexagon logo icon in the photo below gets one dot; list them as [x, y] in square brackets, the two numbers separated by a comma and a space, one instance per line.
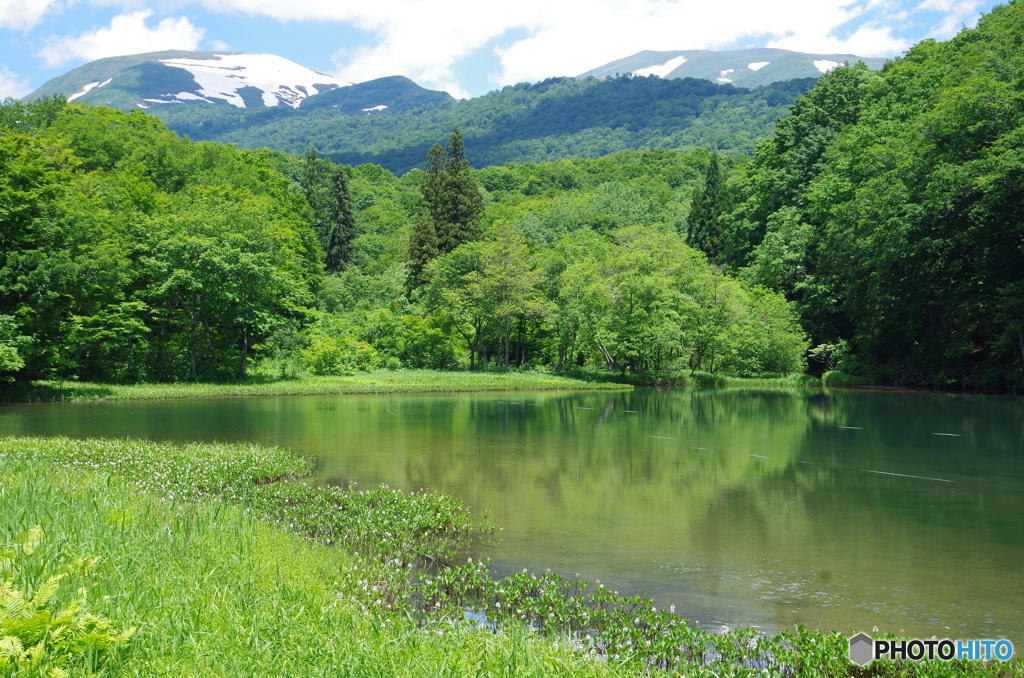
[862, 649]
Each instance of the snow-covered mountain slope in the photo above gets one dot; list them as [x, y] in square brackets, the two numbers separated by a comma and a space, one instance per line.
[743, 68]
[282, 82]
[176, 77]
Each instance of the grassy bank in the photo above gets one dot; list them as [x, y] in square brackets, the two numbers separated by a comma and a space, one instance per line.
[215, 560]
[210, 588]
[686, 378]
[376, 381]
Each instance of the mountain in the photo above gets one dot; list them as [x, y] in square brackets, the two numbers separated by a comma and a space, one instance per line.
[266, 101]
[393, 94]
[160, 79]
[553, 119]
[742, 67]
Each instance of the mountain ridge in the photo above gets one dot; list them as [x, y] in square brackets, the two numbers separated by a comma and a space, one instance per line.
[744, 67]
[239, 79]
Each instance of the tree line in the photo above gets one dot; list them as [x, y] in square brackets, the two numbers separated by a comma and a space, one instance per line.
[132, 254]
[128, 254]
[887, 208]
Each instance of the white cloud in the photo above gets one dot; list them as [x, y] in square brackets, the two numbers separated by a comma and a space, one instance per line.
[614, 30]
[958, 14]
[21, 15]
[126, 34]
[12, 85]
[866, 41]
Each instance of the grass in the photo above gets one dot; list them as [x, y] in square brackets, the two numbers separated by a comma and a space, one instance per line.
[376, 381]
[215, 591]
[214, 560]
[696, 378]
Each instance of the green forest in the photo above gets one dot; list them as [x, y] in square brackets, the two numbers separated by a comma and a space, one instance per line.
[877, 232]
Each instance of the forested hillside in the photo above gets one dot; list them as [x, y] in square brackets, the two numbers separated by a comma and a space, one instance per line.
[555, 119]
[889, 208]
[131, 254]
[881, 224]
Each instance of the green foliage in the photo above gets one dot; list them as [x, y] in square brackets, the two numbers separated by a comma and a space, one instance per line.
[130, 254]
[886, 207]
[453, 208]
[339, 356]
[39, 634]
[141, 257]
[704, 231]
[422, 250]
[326, 188]
[12, 345]
[837, 379]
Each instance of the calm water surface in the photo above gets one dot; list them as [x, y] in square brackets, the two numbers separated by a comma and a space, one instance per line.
[843, 510]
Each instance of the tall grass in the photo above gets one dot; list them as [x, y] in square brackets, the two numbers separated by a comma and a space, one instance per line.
[376, 381]
[215, 591]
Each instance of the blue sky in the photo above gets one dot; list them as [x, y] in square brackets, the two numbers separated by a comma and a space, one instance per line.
[466, 47]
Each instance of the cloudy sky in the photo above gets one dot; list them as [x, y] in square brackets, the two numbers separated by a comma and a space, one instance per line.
[466, 47]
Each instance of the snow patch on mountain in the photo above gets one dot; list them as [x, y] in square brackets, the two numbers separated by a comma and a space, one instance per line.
[758, 65]
[91, 86]
[282, 82]
[374, 109]
[826, 65]
[661, 70]
[725, 75]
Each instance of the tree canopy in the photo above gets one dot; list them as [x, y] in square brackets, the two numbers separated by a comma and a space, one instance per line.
[888, 207]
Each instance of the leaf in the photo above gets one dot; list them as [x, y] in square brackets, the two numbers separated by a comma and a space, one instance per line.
[11, 647]
[46, 592]
[32, 540]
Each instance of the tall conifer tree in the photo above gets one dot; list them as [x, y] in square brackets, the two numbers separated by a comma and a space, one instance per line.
[325, 186]
[422, 249]
[453, 206]
[340, 226]
[705, 231]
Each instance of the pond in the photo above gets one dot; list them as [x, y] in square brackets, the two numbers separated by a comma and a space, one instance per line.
[844, 510]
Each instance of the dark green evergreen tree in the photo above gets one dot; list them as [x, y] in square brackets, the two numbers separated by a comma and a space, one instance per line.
[453, 206]
[325, 186]
[340, 225]
[313, 179]
[459, 206]
[422, 249]
[705, 231]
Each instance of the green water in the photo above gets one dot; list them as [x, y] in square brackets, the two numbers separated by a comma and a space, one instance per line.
[842, 510]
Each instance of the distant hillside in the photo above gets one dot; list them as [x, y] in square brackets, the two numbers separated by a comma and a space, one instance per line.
[172, 79]
[557, 118]
[743, 67]
[266, 101]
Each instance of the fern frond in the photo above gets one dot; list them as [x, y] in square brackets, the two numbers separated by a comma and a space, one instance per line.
[46, 592]
[11, 648]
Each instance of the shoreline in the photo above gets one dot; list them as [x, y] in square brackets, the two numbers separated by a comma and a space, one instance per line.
[369, 383]
[157, 499]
